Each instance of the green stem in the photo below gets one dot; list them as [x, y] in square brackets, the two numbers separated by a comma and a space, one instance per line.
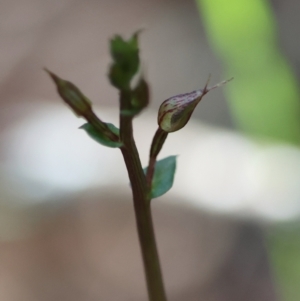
[156, 291]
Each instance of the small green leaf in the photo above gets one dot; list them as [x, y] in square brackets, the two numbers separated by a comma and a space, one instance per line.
[139, 99]
[140, 96]
[163, 176]
[126, 61]
[100, 137]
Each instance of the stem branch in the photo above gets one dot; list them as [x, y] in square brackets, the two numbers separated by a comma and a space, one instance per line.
[156, 146]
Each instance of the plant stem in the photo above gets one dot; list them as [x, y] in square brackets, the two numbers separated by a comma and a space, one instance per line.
[150, 172]
[156, 146]
[156, 291]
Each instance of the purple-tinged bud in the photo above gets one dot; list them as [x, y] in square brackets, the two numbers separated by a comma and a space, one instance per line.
[71, 95]
[175, 112]
[82, 107]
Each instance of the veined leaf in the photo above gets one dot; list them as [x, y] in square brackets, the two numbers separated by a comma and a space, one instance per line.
[100, 137]
[163, 177]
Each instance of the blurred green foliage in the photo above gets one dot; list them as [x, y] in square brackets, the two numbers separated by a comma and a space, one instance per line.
[285, 254]
[264, 100]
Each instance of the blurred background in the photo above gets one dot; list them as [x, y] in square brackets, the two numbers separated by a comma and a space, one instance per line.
[228, 229]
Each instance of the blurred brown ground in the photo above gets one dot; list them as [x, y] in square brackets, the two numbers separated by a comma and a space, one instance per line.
[90, 252]
[87, 249]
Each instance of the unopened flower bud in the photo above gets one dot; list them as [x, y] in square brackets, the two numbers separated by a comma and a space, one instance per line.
[72, 96]
[82, 107]
[175, 112]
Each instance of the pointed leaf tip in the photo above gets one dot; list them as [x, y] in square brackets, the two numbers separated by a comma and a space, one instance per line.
[51, 74]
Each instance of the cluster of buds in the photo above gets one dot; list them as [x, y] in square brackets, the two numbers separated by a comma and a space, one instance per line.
[175, 112]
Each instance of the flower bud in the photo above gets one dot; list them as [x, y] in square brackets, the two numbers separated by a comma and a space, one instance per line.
[82, 107]
[71, 95]
[175, 112]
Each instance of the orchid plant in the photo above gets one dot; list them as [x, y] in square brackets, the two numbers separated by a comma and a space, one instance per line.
[156, 179]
